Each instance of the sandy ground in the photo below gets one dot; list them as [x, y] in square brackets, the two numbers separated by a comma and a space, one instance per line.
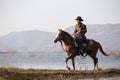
[32, 74]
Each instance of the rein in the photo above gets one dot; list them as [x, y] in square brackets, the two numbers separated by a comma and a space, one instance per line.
[62, 45]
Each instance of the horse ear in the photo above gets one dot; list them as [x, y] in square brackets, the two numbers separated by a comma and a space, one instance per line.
[60, 30]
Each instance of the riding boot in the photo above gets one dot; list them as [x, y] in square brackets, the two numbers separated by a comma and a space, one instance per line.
[81, 50]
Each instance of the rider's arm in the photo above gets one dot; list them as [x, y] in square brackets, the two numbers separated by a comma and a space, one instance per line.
[84, 30]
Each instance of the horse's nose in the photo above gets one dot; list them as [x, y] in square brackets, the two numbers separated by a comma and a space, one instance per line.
[55, 41]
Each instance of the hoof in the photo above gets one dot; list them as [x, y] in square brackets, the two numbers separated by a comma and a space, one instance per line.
[68, 68]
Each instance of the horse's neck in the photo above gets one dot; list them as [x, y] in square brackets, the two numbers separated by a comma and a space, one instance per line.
[68, 42]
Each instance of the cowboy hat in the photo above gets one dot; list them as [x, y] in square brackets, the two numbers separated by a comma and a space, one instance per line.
[79, 18]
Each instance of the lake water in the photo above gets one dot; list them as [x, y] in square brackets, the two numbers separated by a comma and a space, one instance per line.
[57, 61]
[54, 61]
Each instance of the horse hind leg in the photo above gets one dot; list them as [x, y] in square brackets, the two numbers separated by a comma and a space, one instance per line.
[95, 62]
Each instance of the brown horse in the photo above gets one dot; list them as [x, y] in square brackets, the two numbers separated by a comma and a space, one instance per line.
[72, 50]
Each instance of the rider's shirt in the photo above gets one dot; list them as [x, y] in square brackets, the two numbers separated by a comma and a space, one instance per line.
[80, 30]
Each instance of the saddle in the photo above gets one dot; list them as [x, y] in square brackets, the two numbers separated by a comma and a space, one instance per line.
[85, 44]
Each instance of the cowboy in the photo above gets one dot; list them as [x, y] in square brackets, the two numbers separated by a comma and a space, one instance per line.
[79, 34]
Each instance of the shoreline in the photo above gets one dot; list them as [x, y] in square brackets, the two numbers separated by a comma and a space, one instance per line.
[47, 74]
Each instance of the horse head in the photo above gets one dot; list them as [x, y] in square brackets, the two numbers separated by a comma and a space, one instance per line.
[59, 36]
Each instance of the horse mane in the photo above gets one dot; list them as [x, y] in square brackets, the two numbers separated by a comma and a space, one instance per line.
[67, 34]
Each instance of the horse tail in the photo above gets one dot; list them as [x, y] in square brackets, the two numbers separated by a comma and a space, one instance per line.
[101, 49]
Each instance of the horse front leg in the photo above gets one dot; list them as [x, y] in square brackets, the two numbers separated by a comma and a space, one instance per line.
[69, 57]
[73, 63]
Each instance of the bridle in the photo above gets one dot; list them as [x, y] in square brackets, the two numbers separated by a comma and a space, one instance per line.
[62, 45]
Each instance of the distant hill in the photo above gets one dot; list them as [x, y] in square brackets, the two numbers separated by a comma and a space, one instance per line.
[107, 34]
[28, 41]
[34, 40]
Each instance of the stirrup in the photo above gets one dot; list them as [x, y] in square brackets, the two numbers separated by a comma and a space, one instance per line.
[82, 54]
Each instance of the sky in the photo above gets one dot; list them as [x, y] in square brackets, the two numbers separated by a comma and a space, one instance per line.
[49, 15]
